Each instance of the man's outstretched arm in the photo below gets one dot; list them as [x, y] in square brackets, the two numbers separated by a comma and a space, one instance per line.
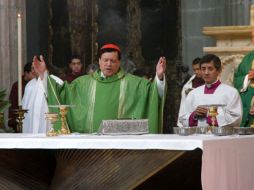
[160, 73]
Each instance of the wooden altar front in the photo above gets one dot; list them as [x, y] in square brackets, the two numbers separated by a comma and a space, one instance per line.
[126, 162]
[34, 161]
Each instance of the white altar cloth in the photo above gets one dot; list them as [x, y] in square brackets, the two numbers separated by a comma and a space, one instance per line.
[227, 162]
[92, 141]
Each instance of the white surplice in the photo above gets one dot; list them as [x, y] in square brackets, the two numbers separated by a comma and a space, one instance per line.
[226, 97]
[34, 100]
[185, 90]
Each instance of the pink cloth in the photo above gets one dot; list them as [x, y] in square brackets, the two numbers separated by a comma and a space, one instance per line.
[192, 120]
[227, 164]
[209, 121]
[210, 89]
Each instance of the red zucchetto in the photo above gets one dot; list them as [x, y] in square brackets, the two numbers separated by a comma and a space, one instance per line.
[111, 46]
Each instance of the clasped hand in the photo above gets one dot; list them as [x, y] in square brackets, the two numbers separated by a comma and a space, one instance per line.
[201, 111]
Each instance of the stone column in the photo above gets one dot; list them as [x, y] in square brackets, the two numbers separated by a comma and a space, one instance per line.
[133, 49]
[237, 12]
[208, 13]
[82, 28]
[95, 30]
[8, 41]
[50, 33]
[77, 18]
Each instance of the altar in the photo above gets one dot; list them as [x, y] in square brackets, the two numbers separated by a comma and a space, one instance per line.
[91, 161]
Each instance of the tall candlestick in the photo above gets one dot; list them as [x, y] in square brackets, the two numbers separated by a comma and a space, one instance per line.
[19, 60]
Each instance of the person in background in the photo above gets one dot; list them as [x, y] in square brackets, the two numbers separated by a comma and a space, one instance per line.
[194, 82]
[28, 75]
[76, 69]
[91, 68]
[35, 121]
[244, 83]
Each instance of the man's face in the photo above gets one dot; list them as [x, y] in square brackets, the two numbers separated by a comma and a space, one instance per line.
[75, 66]
[29, 75]
[209, 72]
[109, 63]
[196, 70]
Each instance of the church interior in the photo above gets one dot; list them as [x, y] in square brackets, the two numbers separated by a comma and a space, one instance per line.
[145, 30]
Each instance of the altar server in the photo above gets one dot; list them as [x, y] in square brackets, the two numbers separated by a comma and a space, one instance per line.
[213, 93]
[194, 82]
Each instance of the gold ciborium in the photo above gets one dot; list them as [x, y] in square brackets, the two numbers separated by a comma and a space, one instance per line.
[52, 118]
[63, 109]
[212, 112]
[64, 126]
[20, 115]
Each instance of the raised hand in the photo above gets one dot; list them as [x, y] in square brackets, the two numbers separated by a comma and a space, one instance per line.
[161, 68]
[251, 110]
[251, 74]
[39, 66]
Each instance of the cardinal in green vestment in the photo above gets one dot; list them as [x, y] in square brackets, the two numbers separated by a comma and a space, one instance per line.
[244, 82]
[108, 93]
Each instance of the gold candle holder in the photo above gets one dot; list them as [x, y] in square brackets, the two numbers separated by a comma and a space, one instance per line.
[20, 112]
[52, 118]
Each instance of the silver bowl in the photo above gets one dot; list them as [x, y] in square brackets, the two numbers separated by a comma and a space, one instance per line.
[244, 130]
[202, 130]
[222, 131]
[175, 130]
[184, 131]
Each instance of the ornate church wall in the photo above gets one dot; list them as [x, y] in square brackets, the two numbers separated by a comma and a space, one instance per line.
[199, 13]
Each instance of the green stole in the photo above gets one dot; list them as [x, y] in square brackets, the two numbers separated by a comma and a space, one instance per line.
[242, 70]
[96, 99]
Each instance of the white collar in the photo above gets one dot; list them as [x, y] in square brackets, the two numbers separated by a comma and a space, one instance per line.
[102, 75]
[210, 85]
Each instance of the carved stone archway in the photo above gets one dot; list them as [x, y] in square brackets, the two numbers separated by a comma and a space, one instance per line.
[229, 65]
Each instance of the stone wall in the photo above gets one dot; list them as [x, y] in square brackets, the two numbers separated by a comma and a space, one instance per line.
[8, 41]
[199, 13]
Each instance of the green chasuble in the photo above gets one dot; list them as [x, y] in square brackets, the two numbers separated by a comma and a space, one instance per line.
[96, 99]
[246, 96]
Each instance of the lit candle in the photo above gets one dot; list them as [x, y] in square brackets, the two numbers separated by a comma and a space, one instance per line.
[19, 60]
